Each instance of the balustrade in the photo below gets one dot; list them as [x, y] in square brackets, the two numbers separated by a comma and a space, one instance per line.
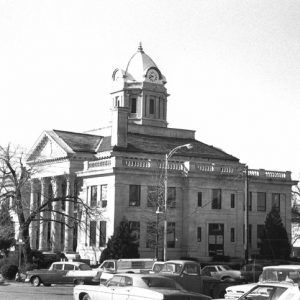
[201, 167]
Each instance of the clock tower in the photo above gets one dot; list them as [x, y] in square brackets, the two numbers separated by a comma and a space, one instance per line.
[140, 89]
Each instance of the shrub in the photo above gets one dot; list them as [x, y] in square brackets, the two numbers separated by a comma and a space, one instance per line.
[9, 271]
[12, 259]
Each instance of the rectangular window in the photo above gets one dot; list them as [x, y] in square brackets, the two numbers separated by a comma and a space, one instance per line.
[276, 200]
[232, 200]
[260, 234]
[134, 195]
[249, 234]
[152, 196]
[102, 238]
[152, 107]
[216, 199]
[151, 235]
[171, 235]
[93, 196]
[261, 201]
[232, 235]
[135, 230]
[199, 231]
[250, 201]
[199, 199]
[171, 197]
[63, 195]
[93, 233]
[103, 195]
[133, 105]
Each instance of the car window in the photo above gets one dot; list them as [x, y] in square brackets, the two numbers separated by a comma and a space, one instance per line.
[58, 267]
[84, 267]
[69, 267]
[157, 267]
[172, 268]
[127, 281]
[109, 265]
[191, 269]
[115, 281]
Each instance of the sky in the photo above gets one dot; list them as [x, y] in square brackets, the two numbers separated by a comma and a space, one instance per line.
[232, 69]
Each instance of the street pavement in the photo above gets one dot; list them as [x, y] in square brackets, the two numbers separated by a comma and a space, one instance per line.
[24, 291]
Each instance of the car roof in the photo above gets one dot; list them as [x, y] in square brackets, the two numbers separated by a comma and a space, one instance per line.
[179, 261]
[75, 263]
[279, 267]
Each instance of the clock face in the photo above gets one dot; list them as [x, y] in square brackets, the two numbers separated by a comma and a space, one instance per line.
[152, 75]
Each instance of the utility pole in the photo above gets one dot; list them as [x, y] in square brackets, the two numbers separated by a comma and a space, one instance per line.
[246, 216]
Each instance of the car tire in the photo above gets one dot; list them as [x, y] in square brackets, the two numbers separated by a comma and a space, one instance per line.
[36, 281]
[86, 297]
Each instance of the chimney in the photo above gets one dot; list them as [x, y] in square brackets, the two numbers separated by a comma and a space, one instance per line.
[119, 127]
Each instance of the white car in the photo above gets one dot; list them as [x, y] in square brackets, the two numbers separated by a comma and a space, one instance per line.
[270, 274]
[222, 272]
[273, 291]
[136, 287]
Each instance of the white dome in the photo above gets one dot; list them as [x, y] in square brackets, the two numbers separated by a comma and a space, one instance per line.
[138, 66]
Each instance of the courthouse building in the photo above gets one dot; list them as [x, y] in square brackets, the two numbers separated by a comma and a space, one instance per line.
[120, 170]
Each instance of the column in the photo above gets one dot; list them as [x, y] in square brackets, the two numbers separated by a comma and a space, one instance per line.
[33, 206]
[44, 216]
[70, 212]
[55, 215]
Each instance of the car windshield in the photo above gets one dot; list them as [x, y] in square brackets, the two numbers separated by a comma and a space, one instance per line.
[84, 267]
[172, 268]
[264, 293]
[281, 275]
[159, 282]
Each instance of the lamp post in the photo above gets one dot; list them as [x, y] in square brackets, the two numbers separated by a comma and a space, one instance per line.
[167, 157]
[246, 217]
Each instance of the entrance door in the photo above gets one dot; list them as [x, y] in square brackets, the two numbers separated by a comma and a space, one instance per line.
[216, 239]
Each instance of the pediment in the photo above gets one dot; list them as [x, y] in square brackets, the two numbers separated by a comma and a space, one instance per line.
[47, 149]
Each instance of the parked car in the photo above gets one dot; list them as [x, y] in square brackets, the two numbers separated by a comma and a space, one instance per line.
[135, 286]
[56, 274]
[270, 274]
[273, 291]
[125, 265]
[222, 272]
[251, 272]
[187, 274]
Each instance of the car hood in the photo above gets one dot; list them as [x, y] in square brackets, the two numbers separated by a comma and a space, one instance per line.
[37, 271]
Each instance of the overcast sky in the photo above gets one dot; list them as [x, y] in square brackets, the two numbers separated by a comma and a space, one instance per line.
[232, 66]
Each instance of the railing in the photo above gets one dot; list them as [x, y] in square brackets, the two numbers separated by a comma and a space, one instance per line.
[100, 163]
[179, 166]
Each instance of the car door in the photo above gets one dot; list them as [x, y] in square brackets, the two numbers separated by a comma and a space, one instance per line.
[190, 277]
[55, 274]
[122, 290]
[67, 268]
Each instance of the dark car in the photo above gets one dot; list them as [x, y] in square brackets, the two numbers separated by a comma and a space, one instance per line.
[56, 274]
[188, 275]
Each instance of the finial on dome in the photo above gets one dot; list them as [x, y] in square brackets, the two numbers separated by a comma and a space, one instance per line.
[140, 48]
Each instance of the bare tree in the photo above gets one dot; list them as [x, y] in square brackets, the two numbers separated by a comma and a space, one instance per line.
[15, 177]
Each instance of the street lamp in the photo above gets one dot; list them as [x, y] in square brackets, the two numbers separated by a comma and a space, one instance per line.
[168, 155]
